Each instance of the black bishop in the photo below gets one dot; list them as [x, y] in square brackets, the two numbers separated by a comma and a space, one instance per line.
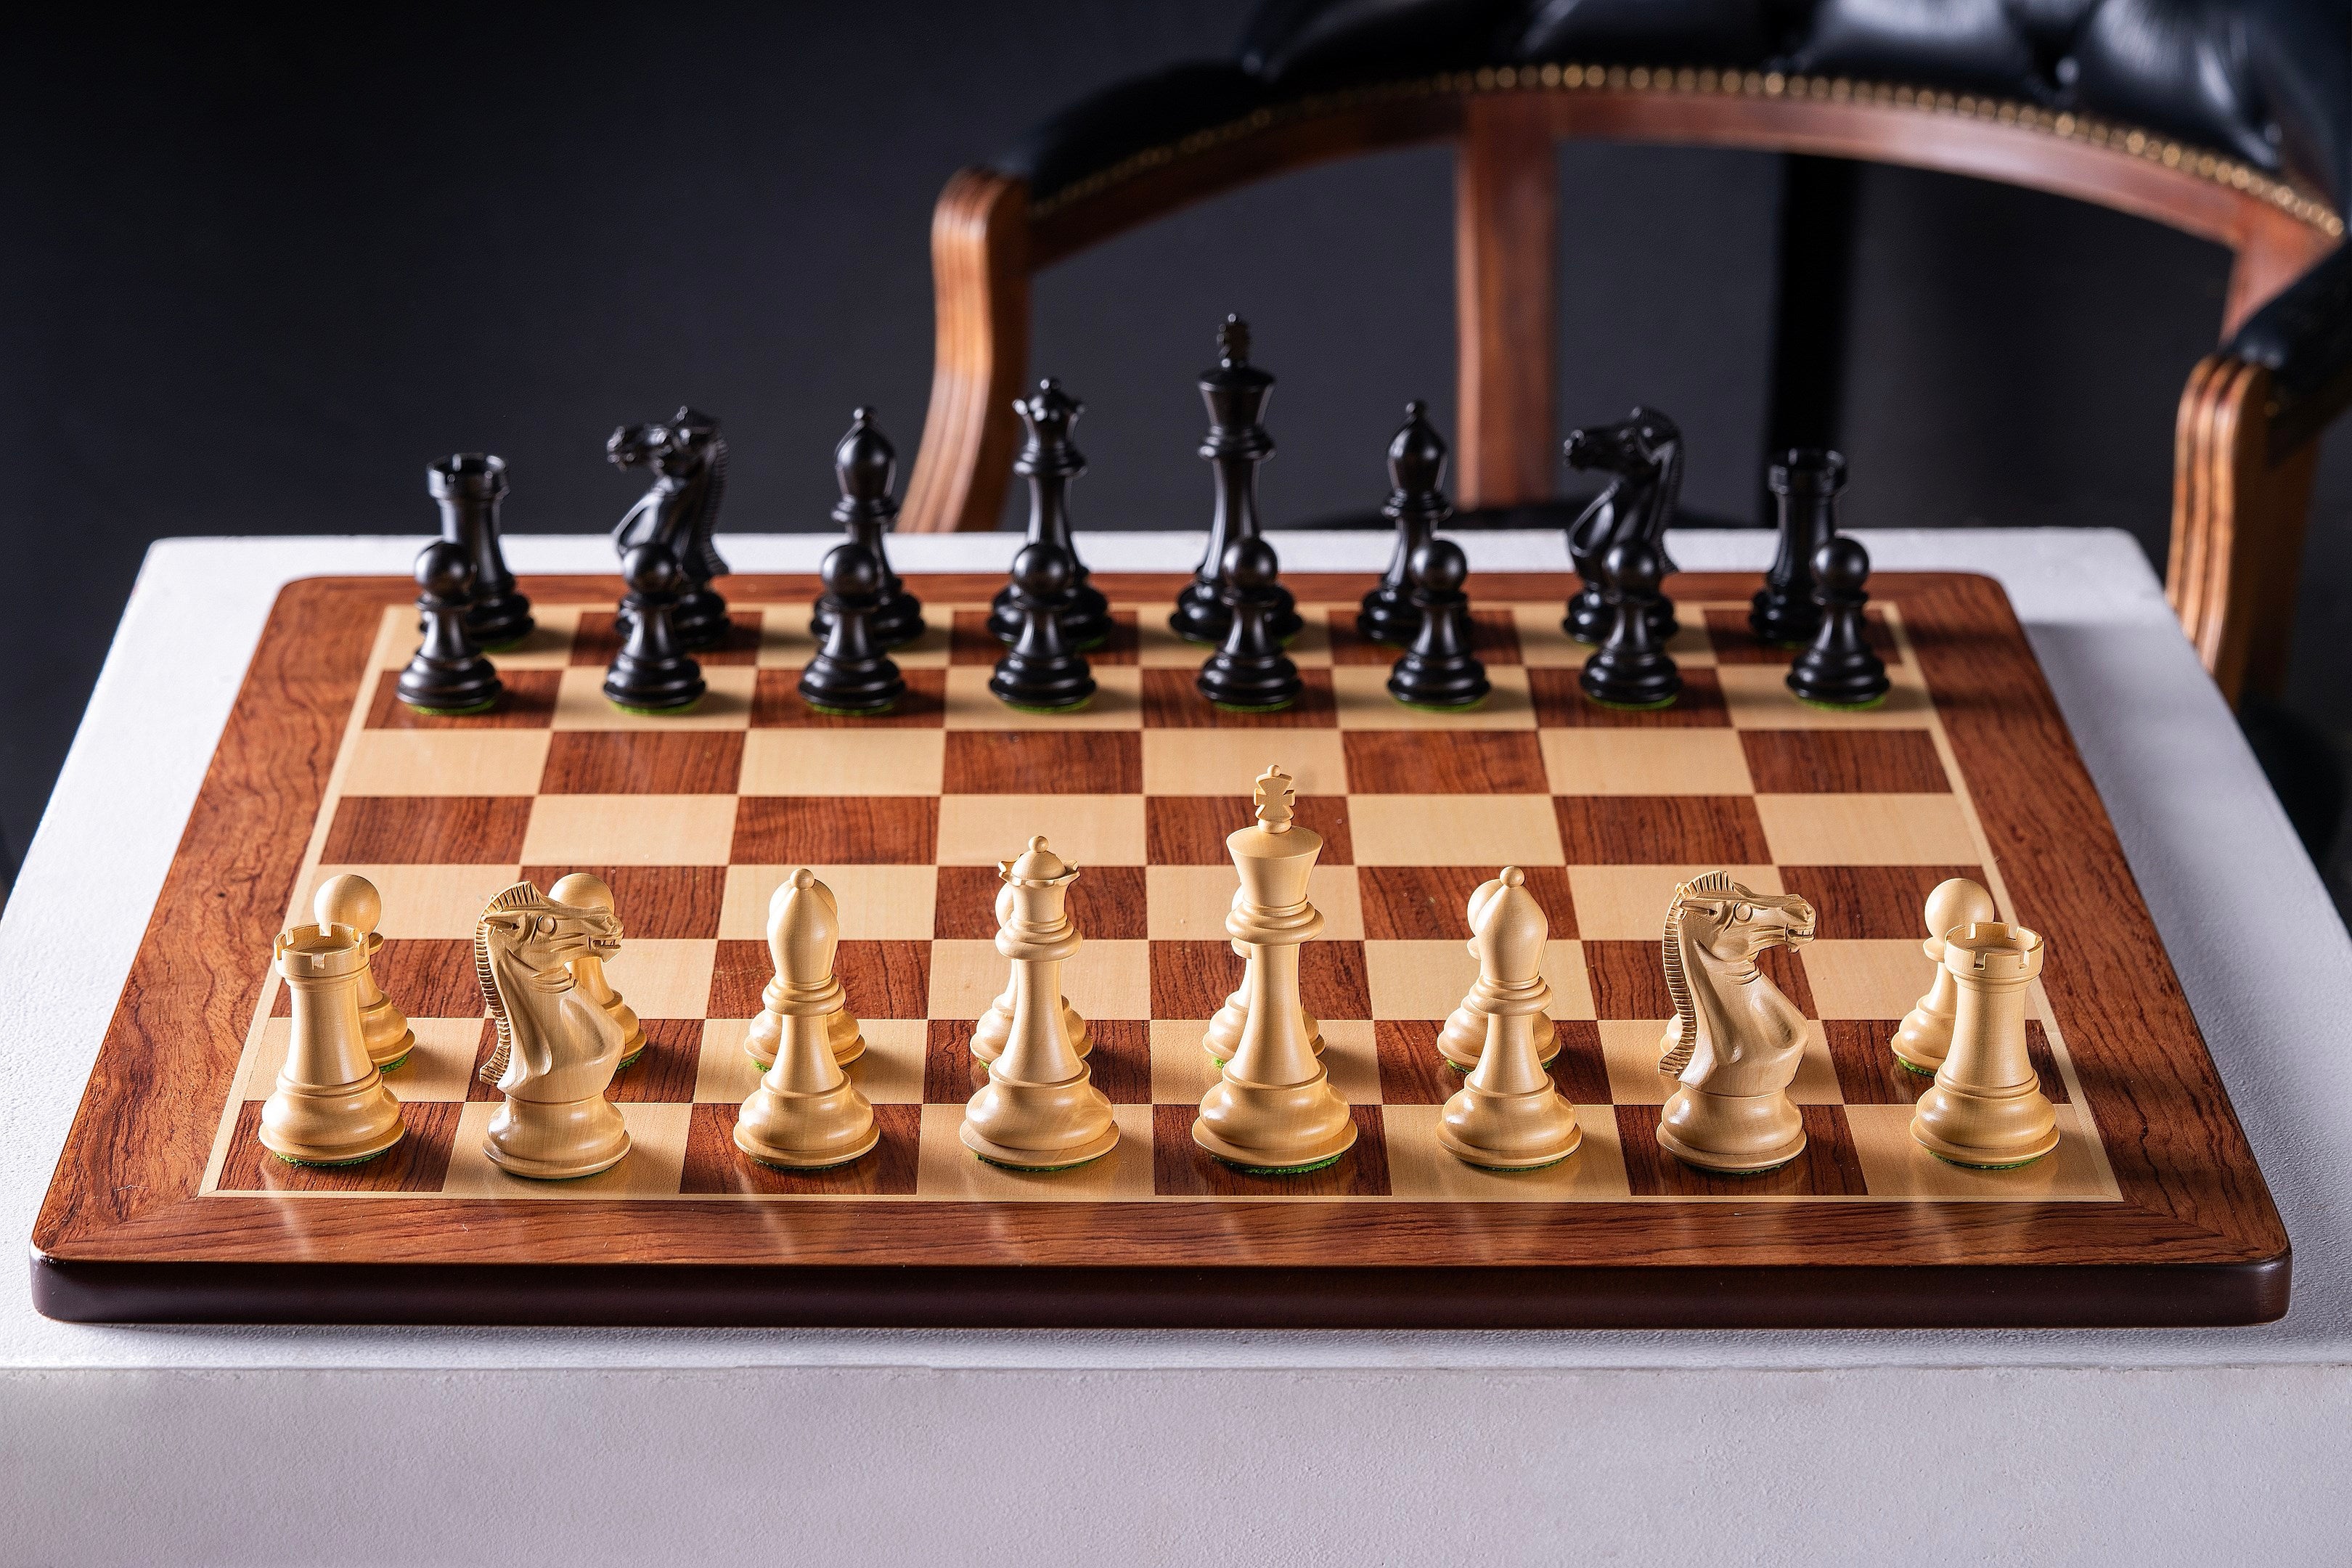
[865, 465]
[1417, 506]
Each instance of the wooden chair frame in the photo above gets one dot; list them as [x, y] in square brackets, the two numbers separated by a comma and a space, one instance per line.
[2242, 486]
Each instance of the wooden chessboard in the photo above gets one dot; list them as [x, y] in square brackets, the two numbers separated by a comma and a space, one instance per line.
[165, 1206]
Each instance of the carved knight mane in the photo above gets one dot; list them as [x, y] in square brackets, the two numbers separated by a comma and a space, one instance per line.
[1723, 1002]
[522, 946]
[1642, 455]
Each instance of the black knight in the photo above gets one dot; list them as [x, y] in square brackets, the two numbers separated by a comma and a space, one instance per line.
[1642, 455]
[689, 459]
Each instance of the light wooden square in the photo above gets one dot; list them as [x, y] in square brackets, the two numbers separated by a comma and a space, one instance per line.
[549, 646]
[1157, 647]
[1362, 694]
[665, 978]
[422, 901]
[784, 639]
[1228, 762]
[1189, 903]
[438, 1067]
[843, 763]
[1868, 830]
[1311, 648]
[445, 762]
[1182, 1071]
[1894, 1165]
[656, 1161]
[1421, 1168]
[1856, 979]
[878, 903]
[724, 1073]
[1630, 1050]
[580, 702]
[947, 1170]
[1454, 830]
[1085, 830]
[1544, 646]
[1419, 980]
[630, 830]
[1106, 980]
[1117, 704]
[1628, 903]
[1645, 762]
[1759, 698]
[1350, 1060]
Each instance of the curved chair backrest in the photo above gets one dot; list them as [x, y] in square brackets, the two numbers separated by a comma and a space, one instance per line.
[2249, 152]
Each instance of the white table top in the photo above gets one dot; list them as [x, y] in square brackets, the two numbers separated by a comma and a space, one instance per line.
[2264, 960]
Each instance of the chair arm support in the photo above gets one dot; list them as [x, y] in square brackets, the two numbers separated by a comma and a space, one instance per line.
[2304, 339]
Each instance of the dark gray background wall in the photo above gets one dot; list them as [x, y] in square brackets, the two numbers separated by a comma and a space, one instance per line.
[258, 272]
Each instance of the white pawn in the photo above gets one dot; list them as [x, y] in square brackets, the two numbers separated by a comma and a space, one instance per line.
[1508, 1116]
[1925, 1036]
[805, 1113]
[350, 899]
[841, 1029]
[582, 891]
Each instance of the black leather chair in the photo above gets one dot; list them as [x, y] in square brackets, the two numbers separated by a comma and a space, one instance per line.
[2231, 120]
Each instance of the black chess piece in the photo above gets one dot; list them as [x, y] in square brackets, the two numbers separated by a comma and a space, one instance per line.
[1838, 669]
[1049, 463]
[1417, 506]
[1250, 674]
[468, 487]
[1040, 672]
[680, 511]
[448, 673]
[1805, 486]
[1438, 670]
[651, 674]
[850, 674]
[865, 465]
[1236, 444]
[1642, 455]
[1631, 668]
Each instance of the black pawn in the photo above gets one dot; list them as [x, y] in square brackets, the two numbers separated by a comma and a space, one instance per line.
[468, 487]
[1041, 672]
[864, 464]
[1416, 505]
[1250, 674]
[651, 674]
[1838, 669]
[448, 674]
[1631, 669]
[1049, 463]
[850, 674]
[1236, 444]
[1438, 671]
[1805, 486]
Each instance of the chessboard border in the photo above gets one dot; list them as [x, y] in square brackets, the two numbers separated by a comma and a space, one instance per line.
[123, 1235]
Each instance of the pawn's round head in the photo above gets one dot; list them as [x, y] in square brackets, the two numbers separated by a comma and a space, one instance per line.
[1958, 902]
[443, 570]
[650, 568]
[1438, 566]
[1633, 566]
[851, 572]
[1250, 564]
[582, 890]
[1842, 565]
[1042, 568]
[349, 900]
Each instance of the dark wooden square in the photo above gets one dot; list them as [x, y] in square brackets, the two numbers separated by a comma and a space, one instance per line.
[776, 704]
[1106, 903]
[1466, 762]
[1627, 980]
[1192, 979]
[665, 1073]
[599, 640]
[951, 1074]
[1426, 903]
[527, 702]
[879, 979]
[1661, 830]
[1181, 1168]
[1561, 704]
[419, 1163]
[1044, 762]
[659, 903]
[1868, 1073]
[428, 830]
[1413, 1073]
[1171, 701]
[1845, 762]
[426, 977]
[643, 762]
[714, 1164]
[1120, 1063]
[1866, 902]
[835, 830]
[1828, 1167]
[1494, 637]
[1190, 830]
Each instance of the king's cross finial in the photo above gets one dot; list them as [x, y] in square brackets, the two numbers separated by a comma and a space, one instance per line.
[1274, 796]
[1233, 343]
